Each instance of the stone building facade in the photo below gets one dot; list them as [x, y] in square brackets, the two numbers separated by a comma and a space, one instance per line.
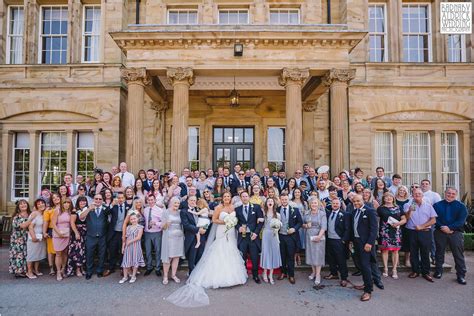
[340, 82]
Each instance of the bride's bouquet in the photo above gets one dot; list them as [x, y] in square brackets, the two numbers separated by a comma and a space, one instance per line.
[230, 222]
[275, 225]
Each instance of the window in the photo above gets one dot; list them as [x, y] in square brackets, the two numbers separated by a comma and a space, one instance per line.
[236, 16]
[276, 148]
[53, 159]
[456, 48]
[416, 33]
[449, 160]
[53, 39]
[193, 147]
[85, 154]
[384, 152]
[91, 34]
[21, 166]
[377, 33]
[284, 16]
[15, 35]
[182, 16]
[416, 157]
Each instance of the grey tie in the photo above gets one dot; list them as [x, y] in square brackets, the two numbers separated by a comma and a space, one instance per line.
[356, 222]
[285, 212]
[97, 212]
[246, 213]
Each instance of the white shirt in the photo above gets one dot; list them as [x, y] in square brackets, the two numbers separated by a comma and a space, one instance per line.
[393, 189]
[128, 179]
[323, 194]
[431, 197]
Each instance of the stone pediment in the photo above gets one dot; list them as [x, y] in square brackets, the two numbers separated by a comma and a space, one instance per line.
[53, 116]
[418, 116]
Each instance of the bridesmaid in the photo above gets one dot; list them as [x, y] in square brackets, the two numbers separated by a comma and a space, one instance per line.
[61, 234]
[17, 263]
[76, 258]
[298, 202]
[48, 229]
[172, 242]
[316, 226]
[35, 246]
[271, 257]
[132, 250]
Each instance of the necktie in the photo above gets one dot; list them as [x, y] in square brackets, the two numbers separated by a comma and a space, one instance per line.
[286, 213]
[97, 212]
[356, 221]
[246, 212]
[332, 215]
[149, 217]
[225, 181]
[120, 209]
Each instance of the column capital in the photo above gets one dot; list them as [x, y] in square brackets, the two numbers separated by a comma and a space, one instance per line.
[338, 75]
[310, 106]
[293, 75]
[160, 107]
[135, 75]
[180, 75]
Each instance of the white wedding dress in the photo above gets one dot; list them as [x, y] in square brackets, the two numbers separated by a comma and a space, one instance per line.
[221, 265]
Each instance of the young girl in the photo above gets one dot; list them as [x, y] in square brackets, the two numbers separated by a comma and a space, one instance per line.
[132, 250]
[271, 257]
[203, 220]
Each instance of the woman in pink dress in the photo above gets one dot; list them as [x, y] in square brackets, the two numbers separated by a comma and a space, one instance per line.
[61, 234]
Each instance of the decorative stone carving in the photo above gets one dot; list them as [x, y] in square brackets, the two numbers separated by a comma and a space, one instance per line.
[160, 107]
[310, 106]
[340, 75]
[297, 75]
[179, 74]
[135, 75]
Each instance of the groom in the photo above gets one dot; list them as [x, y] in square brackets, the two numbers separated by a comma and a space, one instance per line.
[249, 228]
[189, 221]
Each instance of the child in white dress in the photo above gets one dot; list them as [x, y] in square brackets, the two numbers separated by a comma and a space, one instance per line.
[203, 220]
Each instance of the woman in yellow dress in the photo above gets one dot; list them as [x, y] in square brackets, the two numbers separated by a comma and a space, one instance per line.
[48, 230]
[257, 195]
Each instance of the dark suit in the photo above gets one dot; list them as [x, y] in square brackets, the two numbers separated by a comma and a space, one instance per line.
[190, 230]
[281, 186]
[235, 184]
[336, 248]
[367, 231]
[263, 180]
[289, 244]
[147, 186]
[184, 191]
[229, 181]
[246, 245]
[312, 186]
[114, 237]
[96, 238]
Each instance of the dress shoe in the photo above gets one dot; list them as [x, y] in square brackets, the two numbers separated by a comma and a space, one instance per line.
[365, 297]
[331, 277]
[88, 276]
[257, 280]
[357, 273]
[158, 273]
[461, 280]
[99, 275]
[147, 272]
[343, 283]
[281, 276]
[379, 285]
[413, 275]
[428, 278]
[292, 280]
[437, 275]
[107, 272]
[359, 287]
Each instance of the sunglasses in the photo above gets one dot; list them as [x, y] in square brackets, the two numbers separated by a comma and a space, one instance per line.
[414, 187]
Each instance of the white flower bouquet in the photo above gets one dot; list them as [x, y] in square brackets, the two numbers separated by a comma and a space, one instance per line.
[275, 225]
[230, 222]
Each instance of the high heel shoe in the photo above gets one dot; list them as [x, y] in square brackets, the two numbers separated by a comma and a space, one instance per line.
[317, 280]
[385, 273]
[265, 278]
[59, 277]
[394, 274]
[175, 278]
[132, 279]
[165, 281]
[123, 280]
[271, 280]
[311, 276]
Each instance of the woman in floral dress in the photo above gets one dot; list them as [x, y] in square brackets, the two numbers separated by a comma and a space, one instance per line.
[20, 223]
[76, 258]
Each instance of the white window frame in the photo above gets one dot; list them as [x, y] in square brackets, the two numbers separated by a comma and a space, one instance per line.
[284, 146]
[456, 159]
[9, 36]
[39, 155]
[76, 160]
[430, 171]
[284, 9]
[238, 10]
[389, 170]
[385, 33]
[12, 192]
[463, 48]
[83, 48]
[182, 10]
[198, 147]
[430, 31]
[40, 28]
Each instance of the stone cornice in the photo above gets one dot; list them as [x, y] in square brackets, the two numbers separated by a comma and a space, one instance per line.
[135, 75]
[294, 75]
[310, 106]
[180, 74]
[338, 75]
[160, 107]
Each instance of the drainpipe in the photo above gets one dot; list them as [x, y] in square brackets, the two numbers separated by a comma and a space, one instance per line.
[137, 12]
[329, 11]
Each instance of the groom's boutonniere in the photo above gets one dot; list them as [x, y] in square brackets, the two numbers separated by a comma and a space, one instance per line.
[363, 213]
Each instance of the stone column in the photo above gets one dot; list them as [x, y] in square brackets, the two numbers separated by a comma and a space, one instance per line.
[181, 79]
[137, 79]
[160, 109]
[292, 79]
[337, 81]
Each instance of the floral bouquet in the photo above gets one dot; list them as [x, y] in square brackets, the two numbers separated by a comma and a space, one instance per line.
[230, 222]
[275, 225]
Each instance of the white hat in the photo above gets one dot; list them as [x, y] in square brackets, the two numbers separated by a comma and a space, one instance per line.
[323, 169]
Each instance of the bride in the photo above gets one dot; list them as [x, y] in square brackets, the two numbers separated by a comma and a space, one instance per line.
[221, 265]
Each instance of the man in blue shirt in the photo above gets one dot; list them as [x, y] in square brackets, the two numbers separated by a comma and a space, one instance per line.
[449, 227]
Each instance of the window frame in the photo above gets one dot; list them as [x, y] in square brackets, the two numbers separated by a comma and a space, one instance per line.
[429, 33]
[457, 173]
[9, 36]
[463, 48]
[40, 35]
[12, 187]
[389, 171]
[39, 157]
[284, 9]
[83, 34]
[385, 33]
[238, 12]
[283, 162]
[198, 161]
[429, 151]
[182, 10]
[77, 148]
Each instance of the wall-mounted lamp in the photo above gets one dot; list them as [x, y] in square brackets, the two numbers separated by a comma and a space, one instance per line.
[238, 50]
